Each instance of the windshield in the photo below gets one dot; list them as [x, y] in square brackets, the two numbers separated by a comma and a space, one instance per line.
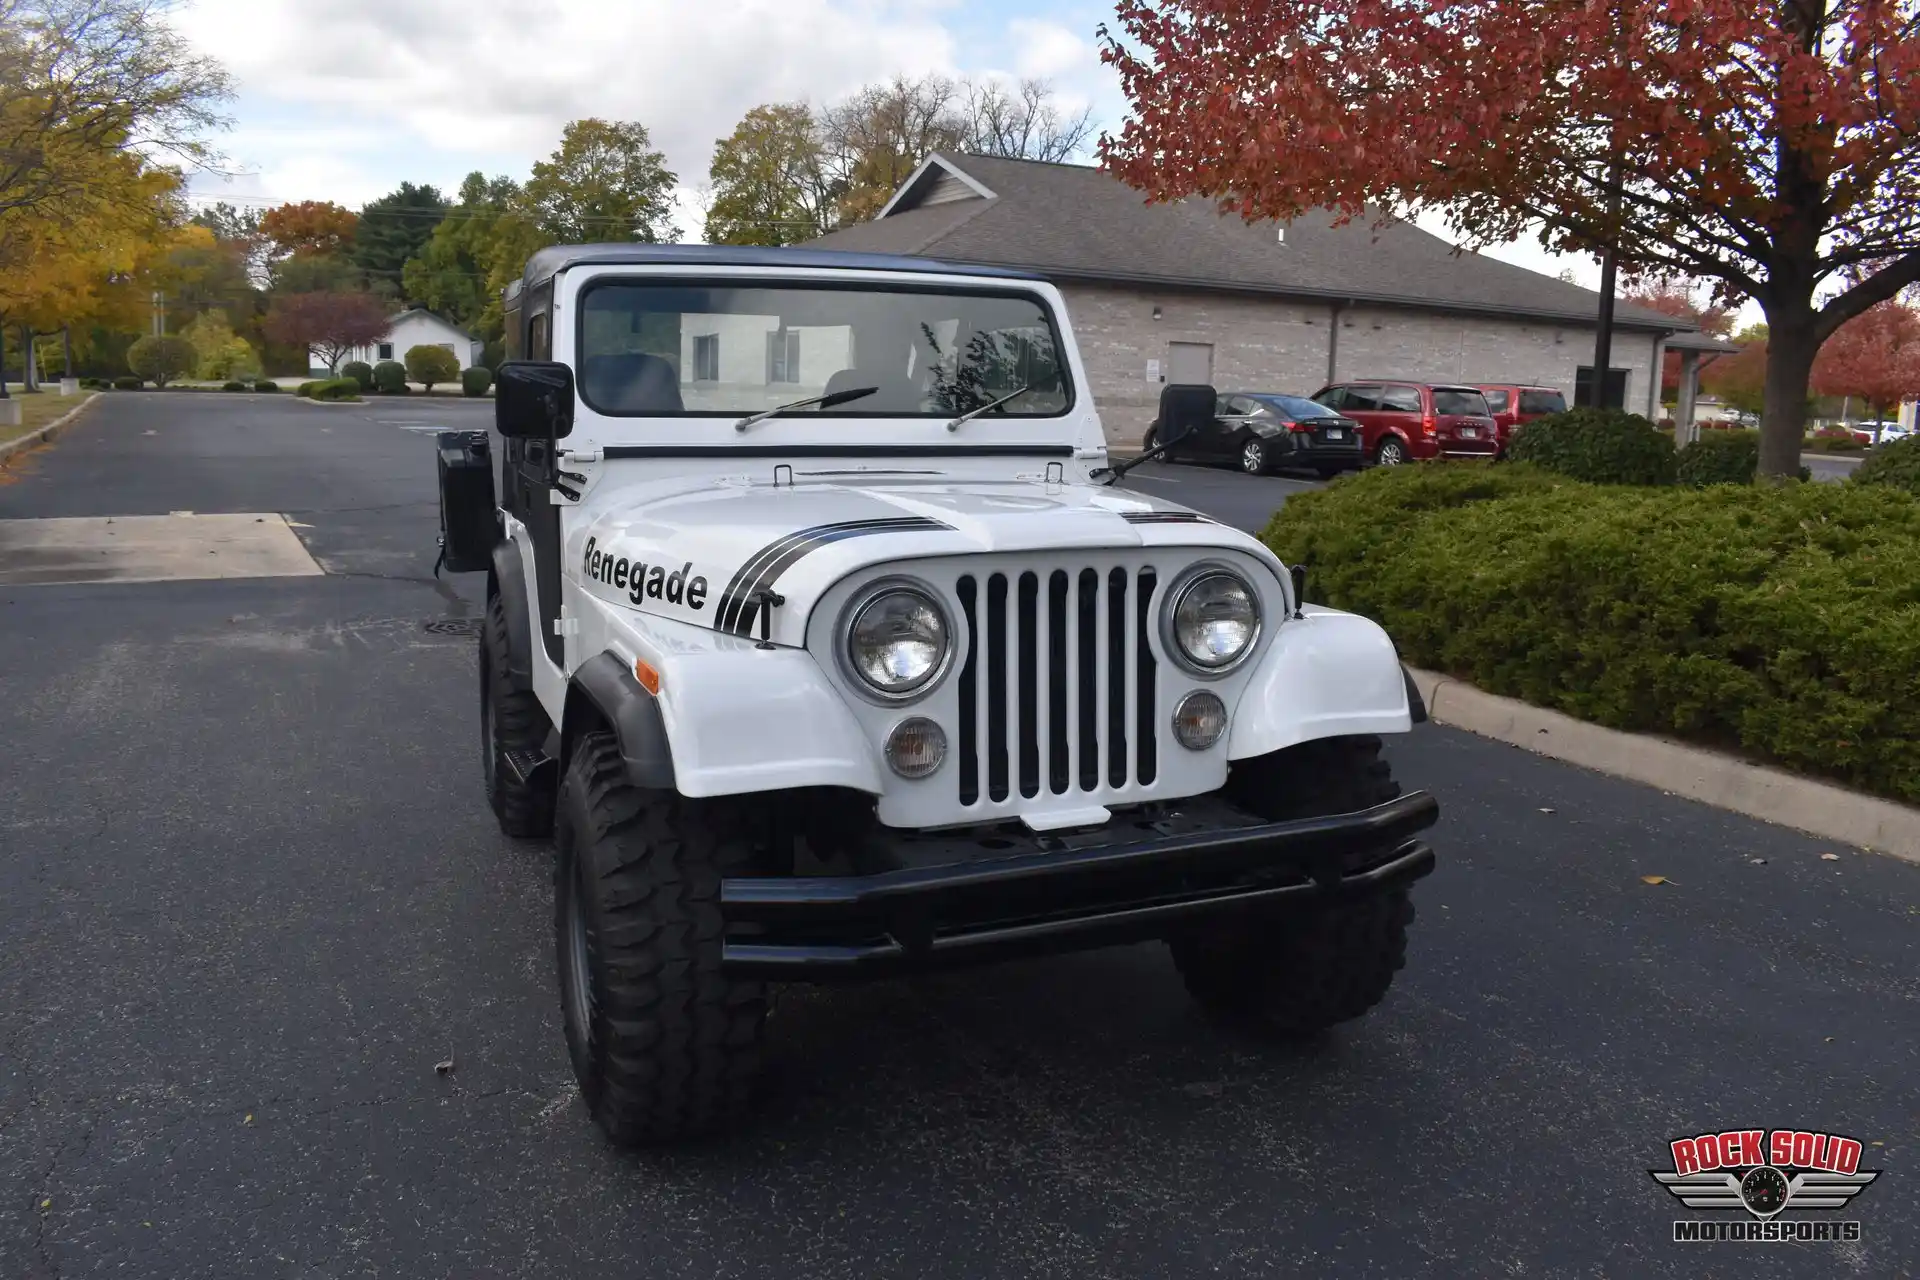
[1454, 400]
[1297, 407]
[1542, 402]
[684, 349]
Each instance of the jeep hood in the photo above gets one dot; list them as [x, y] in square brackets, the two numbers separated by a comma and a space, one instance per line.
[704, 556]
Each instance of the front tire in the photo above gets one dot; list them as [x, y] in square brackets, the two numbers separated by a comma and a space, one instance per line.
[511, 720]
[664, 1045]
[1392, 452]
[1300, 973]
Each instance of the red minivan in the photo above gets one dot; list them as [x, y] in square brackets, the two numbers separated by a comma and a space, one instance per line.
[1513, 404]
[1401, 421]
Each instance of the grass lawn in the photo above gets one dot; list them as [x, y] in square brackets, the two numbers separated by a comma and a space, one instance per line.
[38, 410]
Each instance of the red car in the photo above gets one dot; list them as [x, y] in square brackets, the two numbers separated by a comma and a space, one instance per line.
[1402, 421]
[1513, 404]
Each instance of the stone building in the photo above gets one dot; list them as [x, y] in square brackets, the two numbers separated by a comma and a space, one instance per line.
[1178, 292]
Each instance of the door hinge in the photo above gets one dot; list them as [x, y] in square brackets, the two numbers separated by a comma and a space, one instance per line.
[566, 624]
[572, 456]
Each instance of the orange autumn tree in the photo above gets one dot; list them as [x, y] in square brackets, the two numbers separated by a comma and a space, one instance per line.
[1771, 148]
[1875, 358]
[310, 227]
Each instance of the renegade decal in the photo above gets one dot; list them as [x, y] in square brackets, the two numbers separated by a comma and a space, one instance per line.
[642, 581]
[738, 605]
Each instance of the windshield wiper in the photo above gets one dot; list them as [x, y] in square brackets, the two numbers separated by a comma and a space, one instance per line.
[971, 414]
[826, 401]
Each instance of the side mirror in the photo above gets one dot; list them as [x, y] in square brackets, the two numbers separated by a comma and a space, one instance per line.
[533, 400]
[1183, 408]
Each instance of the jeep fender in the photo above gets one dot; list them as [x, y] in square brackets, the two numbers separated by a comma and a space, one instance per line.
[509, 580]
[1326, 674]
[732, 719]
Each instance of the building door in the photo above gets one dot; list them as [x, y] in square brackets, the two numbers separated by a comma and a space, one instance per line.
[1190, 363]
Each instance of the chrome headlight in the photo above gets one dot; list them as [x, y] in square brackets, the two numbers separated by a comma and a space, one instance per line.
[1214, 620]
[898, 641]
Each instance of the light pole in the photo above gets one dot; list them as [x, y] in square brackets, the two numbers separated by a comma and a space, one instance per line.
[1603, 336]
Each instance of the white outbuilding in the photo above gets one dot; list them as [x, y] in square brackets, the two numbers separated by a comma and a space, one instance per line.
[414, 327]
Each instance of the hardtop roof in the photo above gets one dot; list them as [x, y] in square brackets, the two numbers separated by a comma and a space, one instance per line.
[545, 263]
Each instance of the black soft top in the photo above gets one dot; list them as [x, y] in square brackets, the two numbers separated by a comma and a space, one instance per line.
[546, 263]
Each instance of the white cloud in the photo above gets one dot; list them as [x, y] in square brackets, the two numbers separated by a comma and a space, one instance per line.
[365, 92]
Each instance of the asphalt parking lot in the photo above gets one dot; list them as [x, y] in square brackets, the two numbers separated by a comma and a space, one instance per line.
[250, 896]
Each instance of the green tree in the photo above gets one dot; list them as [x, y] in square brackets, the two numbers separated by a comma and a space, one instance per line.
[449, 273]
[770, 184]
[392, 230]
[222, 353]
[606, 182]
[160, 360]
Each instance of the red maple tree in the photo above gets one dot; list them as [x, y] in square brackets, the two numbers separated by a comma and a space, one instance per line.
[1771, 148]
[329, 323]
[1875, 358]
[1675, 299]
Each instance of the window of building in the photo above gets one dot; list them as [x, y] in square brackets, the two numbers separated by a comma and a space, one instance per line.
[386, 351]
[706, 357]
[1616, 388]
[783, 356]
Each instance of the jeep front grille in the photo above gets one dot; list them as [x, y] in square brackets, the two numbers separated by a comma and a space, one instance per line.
[1057, 690]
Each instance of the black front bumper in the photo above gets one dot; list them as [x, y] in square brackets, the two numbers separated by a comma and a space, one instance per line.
[815, 928]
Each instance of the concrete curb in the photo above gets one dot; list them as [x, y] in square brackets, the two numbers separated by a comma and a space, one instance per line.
[40, 435]
[1771, 795]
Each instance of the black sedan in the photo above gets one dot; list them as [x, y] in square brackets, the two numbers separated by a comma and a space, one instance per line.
[1259, 431]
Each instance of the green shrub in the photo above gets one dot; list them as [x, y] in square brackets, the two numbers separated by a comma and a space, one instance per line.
[264, 385]
[1895, 463]
[234, 386]
[390, 378]
[1600, 446]
[1720, 457]
[475, 381]
[336, 389]
[360, 371]
[305, 389]
[129, 384]
[427, 365]
[160, 360]
[1782, 622]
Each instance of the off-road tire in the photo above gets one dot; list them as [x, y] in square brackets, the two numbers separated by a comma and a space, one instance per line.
[669, 1046]
[1298, 973]
[510, 720]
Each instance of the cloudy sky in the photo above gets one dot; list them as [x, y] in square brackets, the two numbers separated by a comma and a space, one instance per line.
[343, 99]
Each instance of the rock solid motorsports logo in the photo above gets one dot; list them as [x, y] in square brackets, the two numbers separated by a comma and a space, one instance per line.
[1766, 1174]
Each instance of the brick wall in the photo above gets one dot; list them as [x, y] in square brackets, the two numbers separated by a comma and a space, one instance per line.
[1261, 345]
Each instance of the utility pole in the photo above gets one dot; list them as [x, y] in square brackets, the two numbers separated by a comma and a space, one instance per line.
[159, 314]
[1603, 337]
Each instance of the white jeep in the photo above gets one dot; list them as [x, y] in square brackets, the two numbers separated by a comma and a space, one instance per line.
[817, 643]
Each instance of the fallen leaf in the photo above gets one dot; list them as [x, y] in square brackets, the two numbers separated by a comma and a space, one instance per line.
[1829, 857]
[443, 1068]
[1829, 1039]
[1758, 862]
[1655, 880]
[249, 1119]
[1876, 1143]
[46, 1204]
[1546, 811]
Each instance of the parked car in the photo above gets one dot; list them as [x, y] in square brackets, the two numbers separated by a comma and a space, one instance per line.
[1513, 403]
[1403, 421]
[1261, 431]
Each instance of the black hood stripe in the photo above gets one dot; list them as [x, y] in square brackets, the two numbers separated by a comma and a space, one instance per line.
[1165, 517]
[738, 608]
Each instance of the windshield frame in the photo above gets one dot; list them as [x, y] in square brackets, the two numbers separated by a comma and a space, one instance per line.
[850, 411]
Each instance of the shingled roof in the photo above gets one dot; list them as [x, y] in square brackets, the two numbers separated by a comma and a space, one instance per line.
[1072, 222]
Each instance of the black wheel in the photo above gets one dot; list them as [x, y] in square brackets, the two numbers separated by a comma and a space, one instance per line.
[1152, 438]
[1391, 453]
[664, 1045]
[510, 720]
[1302, 972]
[1253, 457]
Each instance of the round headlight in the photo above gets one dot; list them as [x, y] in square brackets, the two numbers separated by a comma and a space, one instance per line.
[898, 641]
[1215, 620]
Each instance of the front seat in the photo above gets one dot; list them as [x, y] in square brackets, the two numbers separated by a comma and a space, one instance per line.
[630, 382]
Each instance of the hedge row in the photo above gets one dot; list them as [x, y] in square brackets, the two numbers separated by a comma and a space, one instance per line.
[1779, 622]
